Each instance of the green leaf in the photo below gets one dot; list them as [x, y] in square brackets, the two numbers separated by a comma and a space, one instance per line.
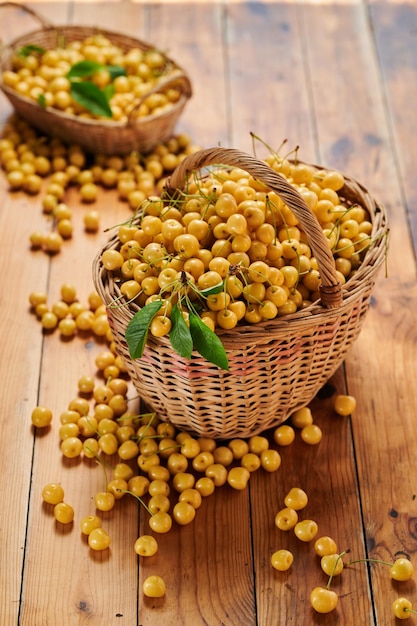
[215, 289]
[30, 49]
[83, 69]
[137, 329]
[180, 336]
[207, 343]
[42, 100]
[108, 91]
[91, 97]
[115, 71]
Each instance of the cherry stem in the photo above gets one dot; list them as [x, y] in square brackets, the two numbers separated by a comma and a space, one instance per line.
[137, 498]
[101, 463]
[137, 418]
[406, 610]
[143, 435]
[90, 424]
[151, 416]
[386, 253]
[370, 561]
[341, 555]
[176, 447]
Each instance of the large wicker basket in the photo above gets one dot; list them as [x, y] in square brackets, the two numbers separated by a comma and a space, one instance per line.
[275, 366]
[102, 137]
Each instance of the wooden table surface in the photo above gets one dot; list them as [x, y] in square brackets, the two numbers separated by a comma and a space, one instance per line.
[339, 78]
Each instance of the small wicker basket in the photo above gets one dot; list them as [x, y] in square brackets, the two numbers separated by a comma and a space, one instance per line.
[276, 366]
[140, 134]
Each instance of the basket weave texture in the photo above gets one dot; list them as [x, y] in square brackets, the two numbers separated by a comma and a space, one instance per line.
[100, 137]
[276, 366]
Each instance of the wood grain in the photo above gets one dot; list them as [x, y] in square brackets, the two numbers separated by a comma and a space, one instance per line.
[380, 424]
[338, 78]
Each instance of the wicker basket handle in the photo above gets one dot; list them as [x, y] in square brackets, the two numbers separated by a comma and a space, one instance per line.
[44, 23]
[164, 84]
[330, 289]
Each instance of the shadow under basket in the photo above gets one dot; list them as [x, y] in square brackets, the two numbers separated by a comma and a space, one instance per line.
[275, 367]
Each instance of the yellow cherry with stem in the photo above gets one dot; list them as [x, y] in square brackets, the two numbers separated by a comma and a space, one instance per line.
[402, 608]
[323, 599]
[402, 569]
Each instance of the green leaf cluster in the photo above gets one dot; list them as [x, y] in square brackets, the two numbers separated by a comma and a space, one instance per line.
[86, 92]
[183, 339]
[25, 51]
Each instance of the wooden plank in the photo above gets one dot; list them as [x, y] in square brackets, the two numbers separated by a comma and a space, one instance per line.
[197, 561]
[207, 567]
[49, 544]
[327, 474]
[120, 16]
[21, 345]
[90, 601]
[268, 87]
[395, 25]
[197, 44]
[274, 58]
[383, 424]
